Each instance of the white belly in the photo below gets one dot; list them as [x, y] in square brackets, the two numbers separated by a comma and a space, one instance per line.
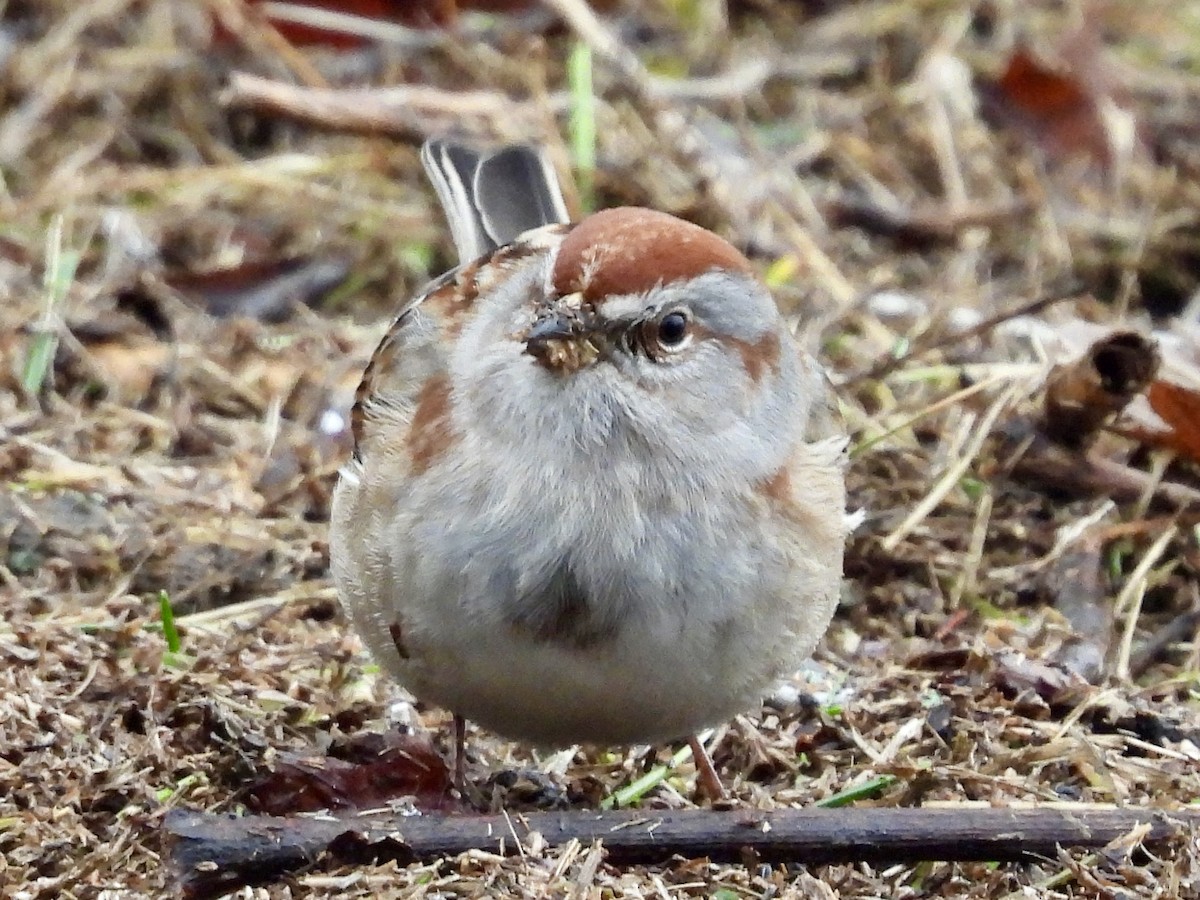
[645, 686]
[687, 607]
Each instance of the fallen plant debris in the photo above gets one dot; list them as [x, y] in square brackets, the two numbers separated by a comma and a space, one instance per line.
[1085, 395]
[218, 854]
[1073, 581]
[417, 111]
[1011, 637]
[1179, 408]
[268, 290]
[302, 22]
[1065, 105]
[380, 768]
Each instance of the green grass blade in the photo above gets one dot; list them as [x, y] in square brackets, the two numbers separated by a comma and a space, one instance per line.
[638, 788]
[583, 122]
[167, 613]
[61, 266]
[864, 791]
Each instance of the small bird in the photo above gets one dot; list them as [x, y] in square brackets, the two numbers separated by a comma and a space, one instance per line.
[597, 492]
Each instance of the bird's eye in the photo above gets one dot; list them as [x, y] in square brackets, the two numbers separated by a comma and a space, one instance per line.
[672, 329]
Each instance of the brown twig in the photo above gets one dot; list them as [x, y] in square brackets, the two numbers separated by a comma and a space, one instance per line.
[919, 228]
[1082, 473]
[402, 111]
[932, 341]
[1086, 474]
[215, 854]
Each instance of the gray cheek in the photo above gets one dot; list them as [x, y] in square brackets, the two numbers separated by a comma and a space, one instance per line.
[705, 391]
[707, 414]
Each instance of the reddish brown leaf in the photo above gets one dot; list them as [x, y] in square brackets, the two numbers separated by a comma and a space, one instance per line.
[383, 768]
[1179, 407]
[1057, 104]
[1052, 108]
[14, 251]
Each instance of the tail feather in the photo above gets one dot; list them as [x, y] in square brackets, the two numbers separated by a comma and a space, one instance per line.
[492, 196]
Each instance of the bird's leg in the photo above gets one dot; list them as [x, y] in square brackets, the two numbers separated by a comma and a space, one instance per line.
[705, 771]
[460, 754]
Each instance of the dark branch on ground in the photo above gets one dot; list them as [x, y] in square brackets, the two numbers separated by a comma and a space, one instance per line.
[215, 854]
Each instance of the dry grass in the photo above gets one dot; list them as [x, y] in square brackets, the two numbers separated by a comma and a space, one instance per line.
[168, 449]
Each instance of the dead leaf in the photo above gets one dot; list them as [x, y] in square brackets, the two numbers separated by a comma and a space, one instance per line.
[118, 350]
[1083, 395]
[1064, 105]
[379, 768]
[1179, 407]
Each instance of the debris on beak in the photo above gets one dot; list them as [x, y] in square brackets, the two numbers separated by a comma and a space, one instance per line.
[562, 342]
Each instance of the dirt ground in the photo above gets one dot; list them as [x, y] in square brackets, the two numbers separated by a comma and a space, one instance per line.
[951, 197]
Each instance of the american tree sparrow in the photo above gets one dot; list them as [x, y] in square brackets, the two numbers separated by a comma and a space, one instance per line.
[597, 490]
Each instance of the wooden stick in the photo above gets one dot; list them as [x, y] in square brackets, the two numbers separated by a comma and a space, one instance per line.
[400, 111]
[216, 854]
